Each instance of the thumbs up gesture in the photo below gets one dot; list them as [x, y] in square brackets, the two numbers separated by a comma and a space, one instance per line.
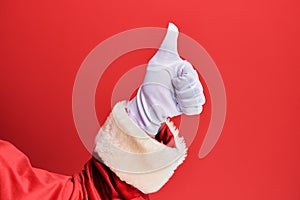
[171, 87]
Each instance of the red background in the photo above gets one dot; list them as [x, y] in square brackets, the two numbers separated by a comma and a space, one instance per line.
[255, 44]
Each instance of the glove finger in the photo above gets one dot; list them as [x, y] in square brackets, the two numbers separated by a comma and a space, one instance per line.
[186, 76]
[191, 106]
[186, 68]
[190, 102]
[190, 92]
[192, 110]
[183, 82]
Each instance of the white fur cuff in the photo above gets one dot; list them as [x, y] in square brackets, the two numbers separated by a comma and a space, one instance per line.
[133, 155]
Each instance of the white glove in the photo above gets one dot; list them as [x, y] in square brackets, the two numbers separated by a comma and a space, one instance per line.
[171, 87]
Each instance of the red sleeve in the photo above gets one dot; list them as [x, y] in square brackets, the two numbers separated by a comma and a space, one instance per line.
[19, 180]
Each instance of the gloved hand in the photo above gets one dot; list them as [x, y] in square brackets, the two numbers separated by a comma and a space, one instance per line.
[171, 87]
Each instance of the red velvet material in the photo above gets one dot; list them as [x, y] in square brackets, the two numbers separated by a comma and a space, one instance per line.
[19, 180]
[165, 136]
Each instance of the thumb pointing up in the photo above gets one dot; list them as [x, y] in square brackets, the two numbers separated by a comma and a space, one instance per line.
[170, 41]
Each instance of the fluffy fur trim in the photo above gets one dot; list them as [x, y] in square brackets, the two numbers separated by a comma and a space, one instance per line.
[133, 155]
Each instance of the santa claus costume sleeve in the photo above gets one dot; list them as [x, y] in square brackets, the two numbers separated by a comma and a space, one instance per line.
[132, 165]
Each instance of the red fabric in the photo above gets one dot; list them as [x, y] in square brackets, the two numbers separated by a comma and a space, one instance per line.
[19, 180]
[165, 136]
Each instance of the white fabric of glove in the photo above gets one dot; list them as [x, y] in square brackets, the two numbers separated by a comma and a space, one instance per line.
[171, 87]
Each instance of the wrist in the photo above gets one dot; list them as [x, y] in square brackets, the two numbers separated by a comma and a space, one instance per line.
[137, 114]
